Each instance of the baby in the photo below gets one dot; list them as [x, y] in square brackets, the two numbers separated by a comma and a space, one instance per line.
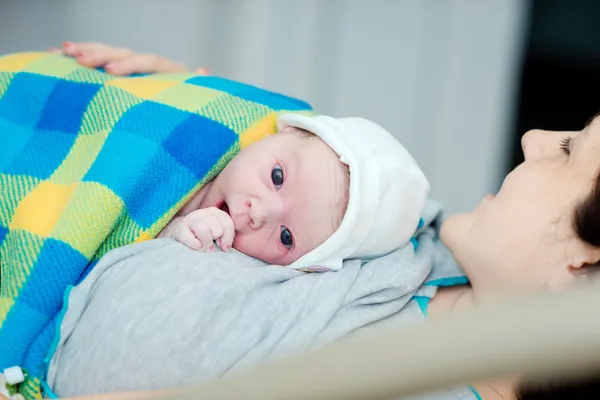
[321, 191]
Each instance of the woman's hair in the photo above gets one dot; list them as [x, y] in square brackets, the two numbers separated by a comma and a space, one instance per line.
[586, 219]
[586, 223]
[587, 388]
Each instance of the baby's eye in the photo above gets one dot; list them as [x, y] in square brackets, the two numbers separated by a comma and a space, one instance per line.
[286, 237]
[277, 176]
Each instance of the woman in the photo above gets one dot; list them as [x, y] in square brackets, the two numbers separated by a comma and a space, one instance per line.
[540, 232]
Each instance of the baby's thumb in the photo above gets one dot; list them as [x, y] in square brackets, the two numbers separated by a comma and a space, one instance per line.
[226, 241]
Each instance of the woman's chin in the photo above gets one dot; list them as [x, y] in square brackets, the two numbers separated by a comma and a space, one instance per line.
[454, 230]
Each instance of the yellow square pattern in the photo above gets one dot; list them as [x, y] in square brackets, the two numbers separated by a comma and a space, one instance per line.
[18, 61]
[188, 97]
[89, 218]
[257, 131]
[41, 209]
[13, 188]
[55, 67]
[175, 77]
[142, 87]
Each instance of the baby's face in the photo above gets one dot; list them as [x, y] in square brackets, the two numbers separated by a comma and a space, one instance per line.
[286, 195]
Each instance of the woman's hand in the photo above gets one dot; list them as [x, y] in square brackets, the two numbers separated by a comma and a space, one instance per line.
[120, 61]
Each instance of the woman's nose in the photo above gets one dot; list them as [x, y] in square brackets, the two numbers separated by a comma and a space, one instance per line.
[264, 210]
[539, 144]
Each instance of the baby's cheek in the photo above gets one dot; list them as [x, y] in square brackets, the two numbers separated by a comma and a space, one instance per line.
[260, 247]
[255, 246]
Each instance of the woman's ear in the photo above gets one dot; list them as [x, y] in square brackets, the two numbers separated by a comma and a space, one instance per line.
[581, 263]
[585, 262]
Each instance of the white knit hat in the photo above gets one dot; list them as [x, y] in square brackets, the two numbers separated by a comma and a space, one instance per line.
[388, 190]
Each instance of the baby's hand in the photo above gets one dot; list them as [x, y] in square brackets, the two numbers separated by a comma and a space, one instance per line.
[200, 228]
[120, 61]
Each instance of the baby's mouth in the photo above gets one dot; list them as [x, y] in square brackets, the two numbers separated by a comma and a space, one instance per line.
[224, 207]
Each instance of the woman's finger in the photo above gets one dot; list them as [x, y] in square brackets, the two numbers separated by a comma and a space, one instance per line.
[144, 64]
[203, 71]
[102, 56]
[73, 49]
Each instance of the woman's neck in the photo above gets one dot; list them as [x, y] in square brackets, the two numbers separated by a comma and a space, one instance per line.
[451, 299]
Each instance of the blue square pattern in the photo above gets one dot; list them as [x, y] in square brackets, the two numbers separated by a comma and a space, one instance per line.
[255, 94]
[39, 349]
[58, 265]
[3, 232]
[121, 163]
[26, 97]
[152, 120]
[198, 143]
[43, 153]
[165, 183]
[66, 105]
[14, 138]
[19, 330]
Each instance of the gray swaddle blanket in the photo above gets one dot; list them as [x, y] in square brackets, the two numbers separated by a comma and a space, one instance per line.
[157, 314]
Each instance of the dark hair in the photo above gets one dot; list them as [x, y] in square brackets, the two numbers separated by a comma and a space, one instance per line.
[586, 223]
[586, 219]
[587, 388]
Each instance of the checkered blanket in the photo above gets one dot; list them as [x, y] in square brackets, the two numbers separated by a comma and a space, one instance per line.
[90, 162]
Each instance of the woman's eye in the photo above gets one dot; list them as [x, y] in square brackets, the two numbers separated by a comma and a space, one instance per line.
[277, 176]
[286, 237]
[565, 145]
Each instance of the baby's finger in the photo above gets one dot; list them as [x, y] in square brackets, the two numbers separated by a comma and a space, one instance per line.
[215, 226]
[228, 230]
[187, 237]
[145, 64]
[202, 232]
[54, 50]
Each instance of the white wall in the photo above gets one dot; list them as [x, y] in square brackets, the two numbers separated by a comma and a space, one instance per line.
[439, 74]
